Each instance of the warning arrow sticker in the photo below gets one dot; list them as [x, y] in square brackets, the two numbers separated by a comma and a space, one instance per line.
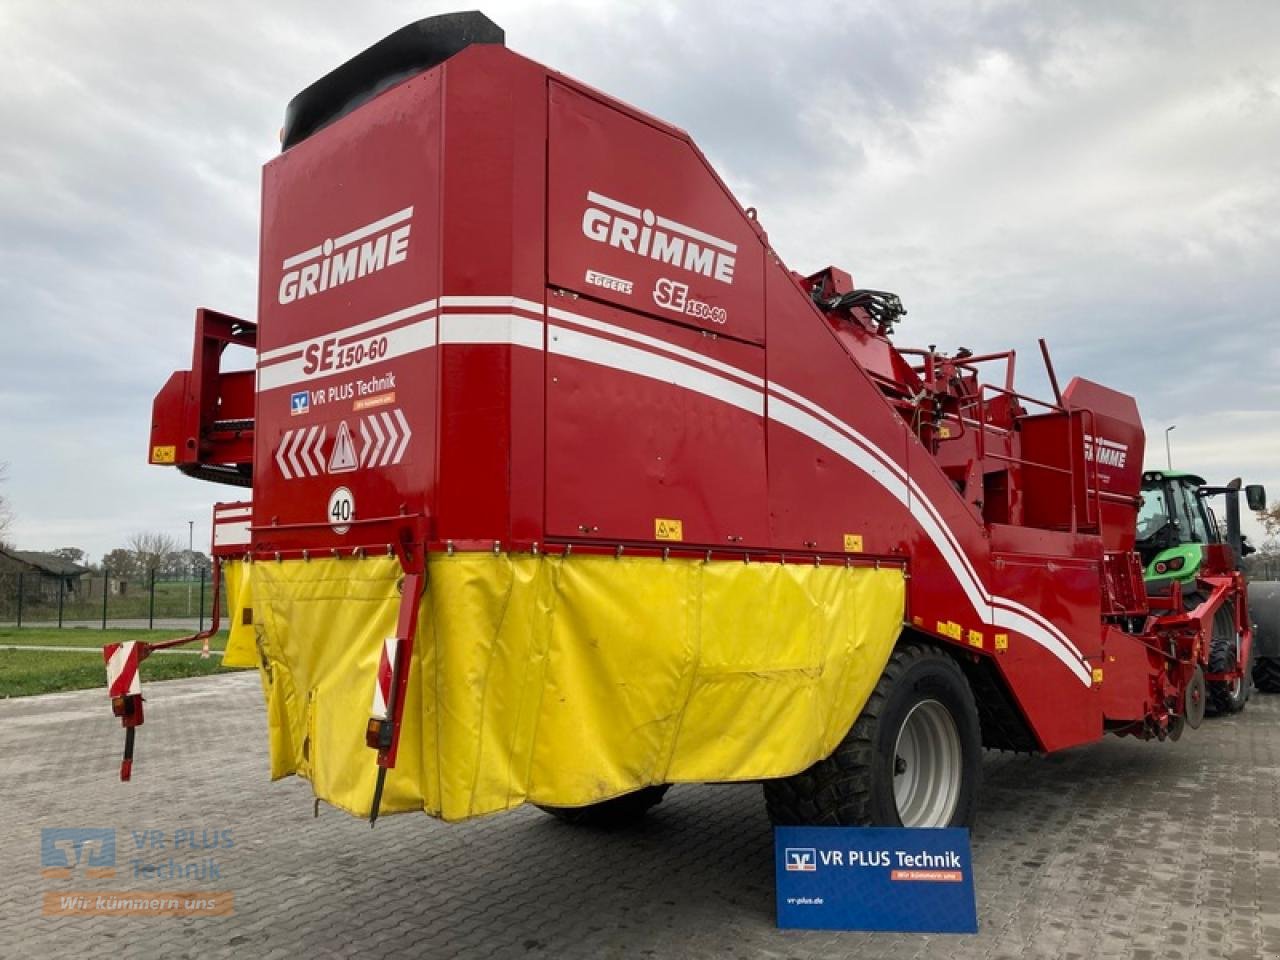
[384, 441]
[343, 458]
[302, 442]
[385, 437]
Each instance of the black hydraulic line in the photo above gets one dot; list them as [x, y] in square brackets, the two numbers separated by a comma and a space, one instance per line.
[883, 307]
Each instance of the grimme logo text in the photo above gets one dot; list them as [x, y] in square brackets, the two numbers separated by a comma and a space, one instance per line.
[646, 234]
[339, 260]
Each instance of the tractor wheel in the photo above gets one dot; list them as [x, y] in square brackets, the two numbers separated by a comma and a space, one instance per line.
[1266, 674]
[912, 759]
[1224, 654]
[617, 812]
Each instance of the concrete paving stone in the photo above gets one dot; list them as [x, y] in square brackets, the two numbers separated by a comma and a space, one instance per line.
[1120, 849]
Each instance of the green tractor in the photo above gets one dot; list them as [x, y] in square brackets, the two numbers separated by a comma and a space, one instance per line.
[1179, 541]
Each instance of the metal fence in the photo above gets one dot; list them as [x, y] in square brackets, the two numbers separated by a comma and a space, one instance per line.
[103, 600]
[1265, 567]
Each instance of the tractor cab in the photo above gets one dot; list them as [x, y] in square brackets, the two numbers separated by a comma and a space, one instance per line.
[1175, 524]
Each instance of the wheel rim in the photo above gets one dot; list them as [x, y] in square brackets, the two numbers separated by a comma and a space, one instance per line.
[927, 766]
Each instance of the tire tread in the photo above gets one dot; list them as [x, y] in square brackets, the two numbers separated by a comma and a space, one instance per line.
[802, 799]
[1222, 658]
[1266, 674]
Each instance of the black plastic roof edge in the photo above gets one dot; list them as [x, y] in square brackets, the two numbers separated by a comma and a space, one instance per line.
[410, 50]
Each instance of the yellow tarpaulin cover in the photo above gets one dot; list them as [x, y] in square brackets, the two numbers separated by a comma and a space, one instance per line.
[561, 681]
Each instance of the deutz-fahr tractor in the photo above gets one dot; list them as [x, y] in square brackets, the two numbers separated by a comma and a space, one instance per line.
[1180, 541]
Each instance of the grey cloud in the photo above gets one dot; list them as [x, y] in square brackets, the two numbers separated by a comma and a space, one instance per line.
[1099, 174]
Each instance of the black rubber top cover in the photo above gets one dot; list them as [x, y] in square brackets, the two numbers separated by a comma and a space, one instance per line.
[410, 50]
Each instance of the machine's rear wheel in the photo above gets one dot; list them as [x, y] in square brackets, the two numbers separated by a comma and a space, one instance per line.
[617, 812]
[1266, 674]
[1224, 654]
[913, 757]
[1264, 611]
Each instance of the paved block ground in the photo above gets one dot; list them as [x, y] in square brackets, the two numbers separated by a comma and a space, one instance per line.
[1123, 849]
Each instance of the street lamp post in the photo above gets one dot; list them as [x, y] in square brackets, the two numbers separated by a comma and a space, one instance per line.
[191, 564]
[1167, 455]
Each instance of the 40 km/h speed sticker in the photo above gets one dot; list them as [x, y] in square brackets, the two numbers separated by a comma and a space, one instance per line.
[341, 510]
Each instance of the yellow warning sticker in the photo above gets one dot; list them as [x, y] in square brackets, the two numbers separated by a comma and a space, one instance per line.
[853, 543]
[944, 432]
[1002, 642]
[949, 628]
[667, 529]
[164, 454]
[975, 638]
[1097, 676]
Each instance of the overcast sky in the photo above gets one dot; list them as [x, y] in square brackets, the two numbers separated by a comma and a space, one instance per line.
[1106, 175]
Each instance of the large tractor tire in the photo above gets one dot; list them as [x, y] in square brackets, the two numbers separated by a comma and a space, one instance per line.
[1264, 610]
[1224, 654]
[913, 757]
[1266, 674]
[618, 812]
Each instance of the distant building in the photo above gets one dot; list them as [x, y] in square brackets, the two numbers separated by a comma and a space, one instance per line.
[42, 573]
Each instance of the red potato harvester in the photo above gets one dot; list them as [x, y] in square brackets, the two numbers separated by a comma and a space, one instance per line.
[565, 488]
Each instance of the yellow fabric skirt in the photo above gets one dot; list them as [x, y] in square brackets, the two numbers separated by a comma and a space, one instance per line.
[560, 680]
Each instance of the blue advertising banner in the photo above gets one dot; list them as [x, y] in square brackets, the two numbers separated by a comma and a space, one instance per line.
[875, 878]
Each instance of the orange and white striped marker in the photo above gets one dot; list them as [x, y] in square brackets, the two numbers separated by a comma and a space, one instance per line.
[124, 687]
[382, 684]
[122, 659]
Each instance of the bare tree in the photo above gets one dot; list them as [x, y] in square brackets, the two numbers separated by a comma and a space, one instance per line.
[121, 563]
[1270, 519]
[72, 555]
[183, 563]
[150, 548]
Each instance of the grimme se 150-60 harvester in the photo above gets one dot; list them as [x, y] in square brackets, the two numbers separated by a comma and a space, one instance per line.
[565, 488]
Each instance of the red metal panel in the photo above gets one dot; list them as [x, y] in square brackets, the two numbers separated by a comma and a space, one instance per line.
[494, 208]
[1066, 593]
[674, 244]
[1114, 448]
[175, 422]
[1129, 685]
[231, 534]
[816, 496]
[1044, 543]
[349, 275]
[953, 593]
[1053, 472]
[645, 423]
[1123, 590]
[1118, 422]
[204, 415]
